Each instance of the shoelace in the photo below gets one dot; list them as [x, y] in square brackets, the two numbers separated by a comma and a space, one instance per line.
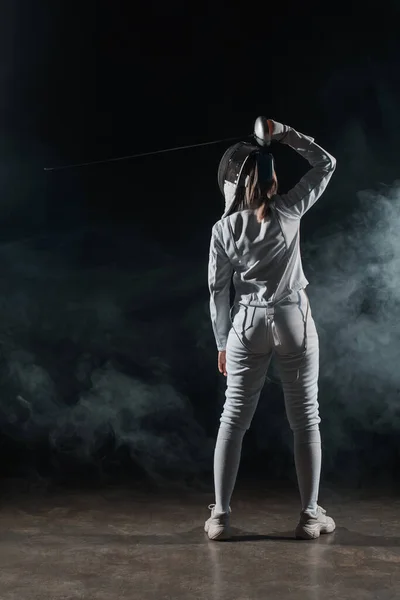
[211, 506]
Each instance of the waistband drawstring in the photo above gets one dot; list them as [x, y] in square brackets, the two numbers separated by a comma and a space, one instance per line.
[271, 327]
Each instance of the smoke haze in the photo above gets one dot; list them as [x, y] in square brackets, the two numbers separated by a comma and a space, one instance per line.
[108, 360]
[92, 364]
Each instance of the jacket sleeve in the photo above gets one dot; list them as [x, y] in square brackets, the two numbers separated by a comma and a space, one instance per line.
[219, 279]
[302, 197]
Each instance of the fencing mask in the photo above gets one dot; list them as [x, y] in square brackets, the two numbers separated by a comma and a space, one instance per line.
[232, 168]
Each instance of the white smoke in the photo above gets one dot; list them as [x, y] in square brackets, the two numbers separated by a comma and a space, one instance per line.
[355, 298]
[79, 370]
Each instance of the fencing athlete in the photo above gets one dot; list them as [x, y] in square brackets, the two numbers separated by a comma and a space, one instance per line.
[257, 241]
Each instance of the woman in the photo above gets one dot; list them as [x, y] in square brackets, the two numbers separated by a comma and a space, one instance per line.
[257, 240]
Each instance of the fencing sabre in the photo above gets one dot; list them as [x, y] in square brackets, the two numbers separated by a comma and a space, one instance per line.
[118, 158]
[262, 136]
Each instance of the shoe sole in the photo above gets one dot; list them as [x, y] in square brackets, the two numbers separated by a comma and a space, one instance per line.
[217, 533]
[312, 532]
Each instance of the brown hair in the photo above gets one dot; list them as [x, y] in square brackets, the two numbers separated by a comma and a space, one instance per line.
[255, 195]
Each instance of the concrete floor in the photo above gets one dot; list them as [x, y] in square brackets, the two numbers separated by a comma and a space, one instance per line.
[123, 544]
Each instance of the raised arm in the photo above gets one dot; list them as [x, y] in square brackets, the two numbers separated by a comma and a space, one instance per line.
[310, 187]
[219, 279]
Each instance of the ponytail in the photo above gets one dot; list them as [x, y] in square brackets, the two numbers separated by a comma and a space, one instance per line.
[256, 195]
[253, 195]
[262, 211]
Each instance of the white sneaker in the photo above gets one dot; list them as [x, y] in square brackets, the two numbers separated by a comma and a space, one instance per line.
[310, 527]
[217, 526]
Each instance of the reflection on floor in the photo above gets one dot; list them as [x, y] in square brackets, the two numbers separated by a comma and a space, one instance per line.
[124, 544]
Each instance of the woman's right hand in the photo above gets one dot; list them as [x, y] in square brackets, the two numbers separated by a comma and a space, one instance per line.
[278, 130]
[266, 130]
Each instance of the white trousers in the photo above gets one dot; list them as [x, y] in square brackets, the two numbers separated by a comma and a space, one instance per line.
[290, 334]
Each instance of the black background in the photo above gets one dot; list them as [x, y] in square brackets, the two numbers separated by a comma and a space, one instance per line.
[108, 360]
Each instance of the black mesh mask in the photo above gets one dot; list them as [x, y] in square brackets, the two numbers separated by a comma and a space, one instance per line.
[231, 170]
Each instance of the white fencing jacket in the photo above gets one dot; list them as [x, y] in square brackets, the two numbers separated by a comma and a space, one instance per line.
[264, 258]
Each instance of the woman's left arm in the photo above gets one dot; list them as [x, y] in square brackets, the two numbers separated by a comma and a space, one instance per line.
[219, 280]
